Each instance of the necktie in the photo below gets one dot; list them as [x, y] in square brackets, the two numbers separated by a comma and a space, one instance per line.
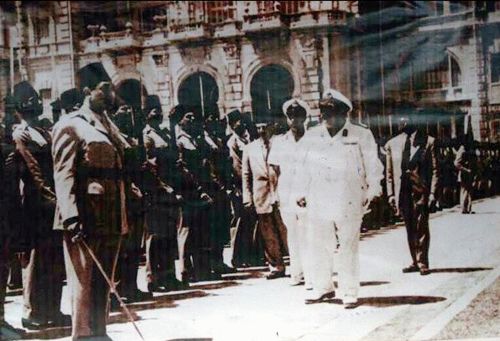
[405, 190]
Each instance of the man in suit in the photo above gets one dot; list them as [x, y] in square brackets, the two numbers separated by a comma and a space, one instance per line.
[43, 271]
[244, 246]
[88, 153]
[287, 161]
[342, 174]
[411, 179]
[259, 195]
[466, 164]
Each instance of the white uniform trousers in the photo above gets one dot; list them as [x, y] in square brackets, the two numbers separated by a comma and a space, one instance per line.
[322, 243]
[348, 233]
[295, 222]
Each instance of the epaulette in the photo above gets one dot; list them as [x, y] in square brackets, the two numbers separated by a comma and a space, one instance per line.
[359, 124]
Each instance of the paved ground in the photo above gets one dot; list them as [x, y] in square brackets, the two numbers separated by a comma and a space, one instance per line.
[465, 260]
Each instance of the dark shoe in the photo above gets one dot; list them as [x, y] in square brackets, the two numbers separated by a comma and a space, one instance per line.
[139, 296]
[313, 300]
[61, 320]
[174, 285]
[34, 324]
[411, 268]
[275, 274]
[9, 332]
[424, 271]
[227, 270]
[351, 305]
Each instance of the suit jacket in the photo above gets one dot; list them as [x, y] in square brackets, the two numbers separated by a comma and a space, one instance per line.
[88, 153]
[259, 178]
[422, 172]
[34, 161]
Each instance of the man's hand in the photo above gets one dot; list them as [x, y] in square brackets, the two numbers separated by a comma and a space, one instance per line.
[207, 198]
[432, 200]
[21, 135]
[392, 201]
[248, 205]
[77, 233]
[301, 202]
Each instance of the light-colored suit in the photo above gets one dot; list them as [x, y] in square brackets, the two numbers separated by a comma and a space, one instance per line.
[259, 188]
[90, 189]
[259, 178]
[342, 175]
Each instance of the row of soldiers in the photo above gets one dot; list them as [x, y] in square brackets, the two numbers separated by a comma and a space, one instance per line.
[103, 183]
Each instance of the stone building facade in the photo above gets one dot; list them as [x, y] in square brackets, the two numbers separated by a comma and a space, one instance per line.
[252, 55]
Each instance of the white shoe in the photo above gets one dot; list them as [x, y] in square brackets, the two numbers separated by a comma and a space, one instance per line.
[308, 286]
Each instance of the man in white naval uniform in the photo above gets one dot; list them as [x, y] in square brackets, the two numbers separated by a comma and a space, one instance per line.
[287, 162]
[342, 174]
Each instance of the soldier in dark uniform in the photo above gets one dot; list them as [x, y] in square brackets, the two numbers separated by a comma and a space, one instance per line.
[43, 268]
[220, 214]
[88, 152]
[163, 210]
[199, 185]
[132, 246]
[9, 202]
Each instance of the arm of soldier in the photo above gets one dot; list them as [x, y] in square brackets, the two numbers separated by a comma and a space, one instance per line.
[374, 167]
[64, 153]
[459, 160]
[34, 168]
[304, 174]
[435, 173]
[247, 179]
[389, 175]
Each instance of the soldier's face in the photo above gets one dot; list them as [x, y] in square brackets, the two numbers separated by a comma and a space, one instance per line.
[238, 127]
[333, 118]
[103, 97]
[296, 122]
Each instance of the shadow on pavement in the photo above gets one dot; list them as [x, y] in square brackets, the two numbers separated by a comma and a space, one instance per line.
[459, 269]
[389, 301]
[370, 283]
[213, 286]
[242, 275]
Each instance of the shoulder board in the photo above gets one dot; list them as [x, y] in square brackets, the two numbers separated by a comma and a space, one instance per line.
[362, 125]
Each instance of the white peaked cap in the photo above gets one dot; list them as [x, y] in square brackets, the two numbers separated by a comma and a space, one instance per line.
[338, 96]
[298, 101]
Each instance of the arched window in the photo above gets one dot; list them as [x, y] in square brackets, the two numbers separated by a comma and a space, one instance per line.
[200, 92]
[456, 73]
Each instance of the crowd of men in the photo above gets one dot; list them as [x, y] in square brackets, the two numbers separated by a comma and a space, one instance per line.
[101, 187]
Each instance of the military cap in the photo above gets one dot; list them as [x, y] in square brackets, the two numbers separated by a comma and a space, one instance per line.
[332, 98]
[71, 99]
[295, 107]
[91, 75]
[152, 102]
[234, 116]
[26, 98]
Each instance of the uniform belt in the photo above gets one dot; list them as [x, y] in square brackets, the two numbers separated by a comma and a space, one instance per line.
[103, 173]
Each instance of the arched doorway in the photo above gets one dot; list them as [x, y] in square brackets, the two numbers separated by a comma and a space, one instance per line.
[199, 92]
[271, 86]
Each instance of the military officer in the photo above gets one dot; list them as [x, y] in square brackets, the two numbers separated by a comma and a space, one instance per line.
[199, 189]
[43, 272]
[162, 203]
[88, 153]
[287, 160]
[342, 174]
